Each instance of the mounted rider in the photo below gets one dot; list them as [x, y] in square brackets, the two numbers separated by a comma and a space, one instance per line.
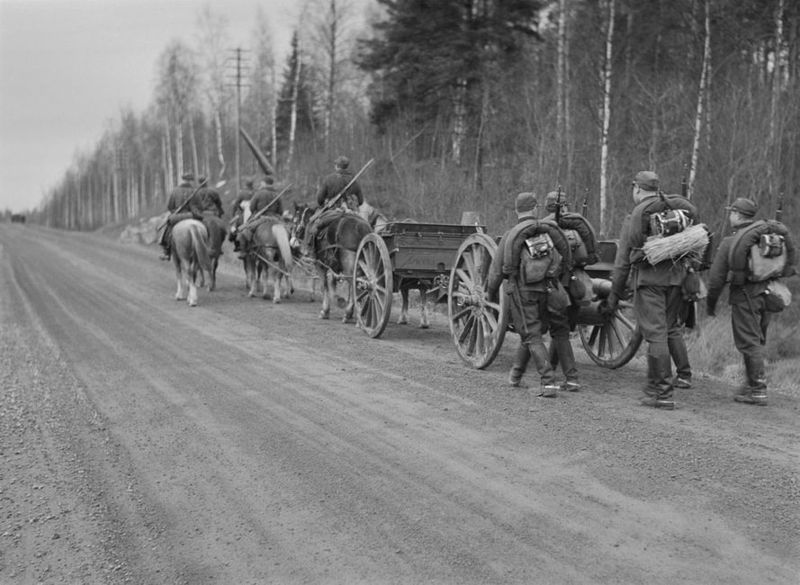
[209, 197]
[183, 203]
[340, 182]
[267, 205]
[238, 207]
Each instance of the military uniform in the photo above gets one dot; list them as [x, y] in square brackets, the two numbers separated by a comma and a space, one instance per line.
[183, 198]
[749, 317]
[529, 310]
[658, 297]
[333, 184]
[210, 200]
[237, 213]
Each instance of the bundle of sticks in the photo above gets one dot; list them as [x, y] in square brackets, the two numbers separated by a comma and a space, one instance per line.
[691, 242]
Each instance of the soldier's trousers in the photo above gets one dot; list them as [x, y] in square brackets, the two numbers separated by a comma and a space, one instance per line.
[749, 323]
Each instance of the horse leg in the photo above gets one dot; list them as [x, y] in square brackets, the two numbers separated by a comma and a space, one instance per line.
[350, 305]
[212, 277]
[276, 283]
[251, 272]
[423, 308]
[180, 293]
[327, 292]
[191, 272]
[263, 276]
[403, 319]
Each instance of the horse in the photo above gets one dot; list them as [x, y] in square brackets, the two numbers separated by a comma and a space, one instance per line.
[334, 250]
[217, 232]
[189, 244]
[270, 256]
[378, 221]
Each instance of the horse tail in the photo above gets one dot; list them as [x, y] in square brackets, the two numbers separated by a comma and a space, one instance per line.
[200, 246]
[282, 237]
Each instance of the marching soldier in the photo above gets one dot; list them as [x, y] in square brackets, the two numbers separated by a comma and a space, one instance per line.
[532, 311]
[750, 314]
[658, 295]
[238, 211]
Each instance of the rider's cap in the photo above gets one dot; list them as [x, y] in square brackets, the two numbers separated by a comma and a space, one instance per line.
[646, 180]
[342, 162]
[525, 202]
[744, 206]
[551, 200]
[189, 176]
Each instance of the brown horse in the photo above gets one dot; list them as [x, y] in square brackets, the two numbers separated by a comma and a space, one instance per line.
[334, 250]
[217, 232]
[269, 257]
[189, 243]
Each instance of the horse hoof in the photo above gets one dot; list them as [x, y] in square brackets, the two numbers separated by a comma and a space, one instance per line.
[192, 303]
[424, 326]
[402, 321]
[324, 315]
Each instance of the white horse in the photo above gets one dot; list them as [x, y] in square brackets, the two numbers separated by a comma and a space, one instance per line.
[189, 243]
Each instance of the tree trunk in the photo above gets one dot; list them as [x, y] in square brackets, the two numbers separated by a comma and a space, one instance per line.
[293, 115]
[560, 84]
[459, 120]
[701, 100]
[606, 117]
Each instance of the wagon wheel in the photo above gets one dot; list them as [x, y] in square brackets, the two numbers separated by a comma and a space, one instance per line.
[613, 343]
[372, 280]
[477, 325]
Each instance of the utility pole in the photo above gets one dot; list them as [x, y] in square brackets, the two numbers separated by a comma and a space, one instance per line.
[239, 67]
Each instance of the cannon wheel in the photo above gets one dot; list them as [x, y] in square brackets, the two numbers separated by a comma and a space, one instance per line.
[613, 343]
[372, 279]
[477, 325]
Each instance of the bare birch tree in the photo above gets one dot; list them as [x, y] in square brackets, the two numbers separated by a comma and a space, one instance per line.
[701, 100]
[605, 115]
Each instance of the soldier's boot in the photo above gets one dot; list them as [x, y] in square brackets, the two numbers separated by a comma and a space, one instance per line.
[683, 369]
[566, 357]
[519, 366]
[165, 237]
[541, 358]
[755, 389]
[659, 391]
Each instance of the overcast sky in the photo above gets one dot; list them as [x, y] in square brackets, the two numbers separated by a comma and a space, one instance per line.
[68, 67]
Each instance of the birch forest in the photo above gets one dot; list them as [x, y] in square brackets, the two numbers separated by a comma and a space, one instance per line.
[465, 103]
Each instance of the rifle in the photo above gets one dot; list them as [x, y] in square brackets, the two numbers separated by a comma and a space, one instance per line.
[779, 210]
[333, 201]
[684, 183]
[182, 205]
[585, 206]
[263, 210]
[559, 204]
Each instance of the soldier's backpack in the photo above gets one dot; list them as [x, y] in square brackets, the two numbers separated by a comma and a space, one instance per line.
[761, 251]
[539, 259]
[536, 250]
[665, 215]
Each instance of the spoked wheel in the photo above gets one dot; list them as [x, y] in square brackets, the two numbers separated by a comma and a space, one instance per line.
[477, 325]
[372, 280]
[612, 342]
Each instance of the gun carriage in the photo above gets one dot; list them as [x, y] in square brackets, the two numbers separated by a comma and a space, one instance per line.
[454, 260]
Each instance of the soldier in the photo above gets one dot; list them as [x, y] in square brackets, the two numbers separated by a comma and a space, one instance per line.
[333, 184]
[263, 198]
[658, 295]
[209, 198]
[531, 310]
[750, 317]
[183, 204]
[238, 206]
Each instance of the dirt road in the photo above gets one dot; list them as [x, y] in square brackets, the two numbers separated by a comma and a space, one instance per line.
[147, 442]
